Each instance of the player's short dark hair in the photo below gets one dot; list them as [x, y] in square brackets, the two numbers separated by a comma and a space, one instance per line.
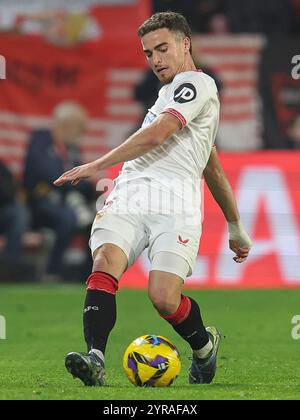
[173, 21]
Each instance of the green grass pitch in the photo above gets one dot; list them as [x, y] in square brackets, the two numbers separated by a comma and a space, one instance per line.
[258, 359]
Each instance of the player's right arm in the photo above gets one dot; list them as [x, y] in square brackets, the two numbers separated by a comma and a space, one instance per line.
[140, 143]
[219, 186]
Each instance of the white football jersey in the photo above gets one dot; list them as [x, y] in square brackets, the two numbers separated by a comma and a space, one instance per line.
[193, 98]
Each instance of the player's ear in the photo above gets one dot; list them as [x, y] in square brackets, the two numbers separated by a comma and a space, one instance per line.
[187, 44]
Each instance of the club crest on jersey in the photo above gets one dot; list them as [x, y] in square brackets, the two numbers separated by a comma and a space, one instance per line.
[99, 215]
[185, 93]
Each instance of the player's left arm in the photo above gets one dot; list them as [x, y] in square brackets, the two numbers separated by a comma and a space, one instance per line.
[140, 143]
[219, 186]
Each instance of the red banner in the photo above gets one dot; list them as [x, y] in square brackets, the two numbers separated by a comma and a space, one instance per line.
[100, 74]
[267, 188]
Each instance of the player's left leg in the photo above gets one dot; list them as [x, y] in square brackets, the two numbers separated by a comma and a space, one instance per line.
[167, 275]
[182, 312]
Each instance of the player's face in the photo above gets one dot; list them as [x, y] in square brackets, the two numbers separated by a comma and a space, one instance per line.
[166, 53]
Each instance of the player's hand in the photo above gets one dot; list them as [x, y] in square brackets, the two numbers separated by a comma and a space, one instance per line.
[239, 241]
[77, 174]
[241, 252]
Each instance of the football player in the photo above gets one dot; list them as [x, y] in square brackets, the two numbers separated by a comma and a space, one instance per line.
[156, 204]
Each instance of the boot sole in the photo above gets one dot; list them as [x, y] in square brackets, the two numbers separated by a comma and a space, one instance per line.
[77, 366]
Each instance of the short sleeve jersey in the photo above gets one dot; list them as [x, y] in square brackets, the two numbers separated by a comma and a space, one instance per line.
[192, 97]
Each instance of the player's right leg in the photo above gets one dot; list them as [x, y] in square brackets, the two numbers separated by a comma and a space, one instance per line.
[117, 239]
[99, 316]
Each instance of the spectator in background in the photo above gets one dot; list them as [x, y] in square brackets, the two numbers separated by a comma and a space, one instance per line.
[66, 211]
[293, 139]
[14, 219]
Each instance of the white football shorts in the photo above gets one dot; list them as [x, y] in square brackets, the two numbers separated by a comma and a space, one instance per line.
[135, 217]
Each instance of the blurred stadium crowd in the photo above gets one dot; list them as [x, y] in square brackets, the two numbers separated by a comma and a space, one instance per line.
[249, 47]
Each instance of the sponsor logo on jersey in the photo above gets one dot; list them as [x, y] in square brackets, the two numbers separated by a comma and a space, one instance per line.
[185, 93]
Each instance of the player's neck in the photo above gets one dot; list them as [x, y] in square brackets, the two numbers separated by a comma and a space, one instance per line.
[189, 65]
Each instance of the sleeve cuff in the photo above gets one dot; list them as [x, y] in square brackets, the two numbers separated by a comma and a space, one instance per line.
[177, 115]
